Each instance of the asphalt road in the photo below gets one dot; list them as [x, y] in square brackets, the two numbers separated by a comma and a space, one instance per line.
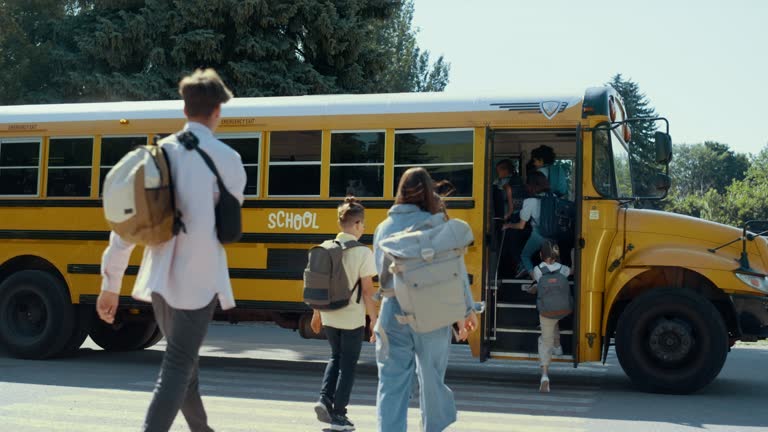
[262, 378]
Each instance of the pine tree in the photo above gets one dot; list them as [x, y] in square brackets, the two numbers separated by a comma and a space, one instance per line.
[409, 68]
[29, 30]
[100, 50]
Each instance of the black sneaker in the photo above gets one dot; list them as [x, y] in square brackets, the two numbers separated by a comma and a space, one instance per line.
[323, 409]
[341, 423]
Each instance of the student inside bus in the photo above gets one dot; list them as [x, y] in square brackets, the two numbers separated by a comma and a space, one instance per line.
[531, 211]
[543, 158]
[507, 194]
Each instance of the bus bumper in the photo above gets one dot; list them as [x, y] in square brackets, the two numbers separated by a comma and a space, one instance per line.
[752, 315]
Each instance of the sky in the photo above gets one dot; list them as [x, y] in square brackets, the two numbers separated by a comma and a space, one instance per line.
[703, 64]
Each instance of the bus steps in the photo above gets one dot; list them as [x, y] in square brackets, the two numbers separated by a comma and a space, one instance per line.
[516, 327]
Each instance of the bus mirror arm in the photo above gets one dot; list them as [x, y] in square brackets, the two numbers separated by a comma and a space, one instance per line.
[745, 236]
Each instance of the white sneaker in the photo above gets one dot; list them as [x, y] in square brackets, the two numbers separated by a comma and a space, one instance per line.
[544, 385]
[558, 351]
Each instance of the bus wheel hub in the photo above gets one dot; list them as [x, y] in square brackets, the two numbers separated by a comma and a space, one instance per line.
[670, 340]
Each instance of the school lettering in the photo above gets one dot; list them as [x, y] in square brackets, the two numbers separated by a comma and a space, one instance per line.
[291, 220]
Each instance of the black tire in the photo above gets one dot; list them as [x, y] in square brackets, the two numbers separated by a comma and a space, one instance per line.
[125, 336]
[37, 318]
[671, 341]
[79, 332]
[154, 339]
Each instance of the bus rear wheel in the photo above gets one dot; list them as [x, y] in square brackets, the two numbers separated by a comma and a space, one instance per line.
[671, 341]
[124, 336]
[37, 318]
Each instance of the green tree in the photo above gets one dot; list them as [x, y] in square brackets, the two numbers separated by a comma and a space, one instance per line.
[408, 68]
[98, 50]
[637, 105]
[29, 31]
[698, 168]
[745, 200]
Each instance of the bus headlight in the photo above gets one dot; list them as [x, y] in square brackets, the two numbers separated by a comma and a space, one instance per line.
[757, 282]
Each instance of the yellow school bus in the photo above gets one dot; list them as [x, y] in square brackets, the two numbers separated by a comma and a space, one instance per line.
[657, 285]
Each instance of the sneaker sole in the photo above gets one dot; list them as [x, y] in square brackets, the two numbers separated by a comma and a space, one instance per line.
[322, 414]
[342, 428]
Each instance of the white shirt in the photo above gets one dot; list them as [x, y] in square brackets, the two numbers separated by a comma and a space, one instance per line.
[531, 211]
[191, 268]
[537, 273]
[358, 263]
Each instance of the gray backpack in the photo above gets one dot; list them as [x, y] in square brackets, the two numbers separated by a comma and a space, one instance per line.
[326, 285]
[553, 294]
[430, 277]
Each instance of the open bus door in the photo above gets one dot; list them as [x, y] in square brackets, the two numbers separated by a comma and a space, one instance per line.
[511, 322]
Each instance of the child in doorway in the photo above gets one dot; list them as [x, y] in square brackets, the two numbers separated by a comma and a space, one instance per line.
[345, 327]
[530, 213]
[549, 341]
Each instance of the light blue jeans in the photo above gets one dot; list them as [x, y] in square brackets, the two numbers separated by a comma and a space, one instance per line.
[532, 246]
[406, 351]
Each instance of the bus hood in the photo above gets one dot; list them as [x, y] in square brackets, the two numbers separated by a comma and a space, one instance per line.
[698, 232]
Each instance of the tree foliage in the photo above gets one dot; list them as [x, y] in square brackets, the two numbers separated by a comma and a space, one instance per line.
[709, 180]
[698, 168]
[101, 50]
[409, 68]
[741, 200]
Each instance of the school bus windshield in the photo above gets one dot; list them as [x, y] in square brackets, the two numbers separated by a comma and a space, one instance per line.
[625, 170]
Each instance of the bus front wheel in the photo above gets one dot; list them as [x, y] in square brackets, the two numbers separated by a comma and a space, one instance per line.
[671, 341]
[37, 318]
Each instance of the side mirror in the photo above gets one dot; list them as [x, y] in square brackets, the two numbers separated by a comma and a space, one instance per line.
[663, 148]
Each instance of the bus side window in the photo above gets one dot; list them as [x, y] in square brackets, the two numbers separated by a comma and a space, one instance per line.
[294, 163]
[249, 148]
[357, 163]
[19, 167]
[446, 154]
[69, 167]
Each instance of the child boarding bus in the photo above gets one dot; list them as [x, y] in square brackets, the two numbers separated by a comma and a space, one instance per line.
[672, 293]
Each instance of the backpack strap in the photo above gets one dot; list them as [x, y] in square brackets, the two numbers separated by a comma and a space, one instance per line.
[350, 244]
[359, 288]
[547, 270]
[359, 284]
[190, 142]
[178, 224]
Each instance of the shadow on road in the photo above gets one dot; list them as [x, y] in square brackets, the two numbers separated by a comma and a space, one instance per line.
[730, 400]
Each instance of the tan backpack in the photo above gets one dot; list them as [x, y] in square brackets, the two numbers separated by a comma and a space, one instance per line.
[139, 202]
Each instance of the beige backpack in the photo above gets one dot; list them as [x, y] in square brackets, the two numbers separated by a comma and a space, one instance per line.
[430, 277]
[139, 202]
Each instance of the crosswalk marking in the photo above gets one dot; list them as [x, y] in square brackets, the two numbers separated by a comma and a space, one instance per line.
[90, 410]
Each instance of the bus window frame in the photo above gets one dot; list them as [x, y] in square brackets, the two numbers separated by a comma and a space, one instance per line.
[259, 165]
[48, 166]
[470, 164]
[382, 164]
[319, 163]
[39, 167]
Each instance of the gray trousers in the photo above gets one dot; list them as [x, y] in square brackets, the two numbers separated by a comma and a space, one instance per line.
[177, 386]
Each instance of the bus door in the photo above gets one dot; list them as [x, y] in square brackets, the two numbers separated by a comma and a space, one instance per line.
[511, 325]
